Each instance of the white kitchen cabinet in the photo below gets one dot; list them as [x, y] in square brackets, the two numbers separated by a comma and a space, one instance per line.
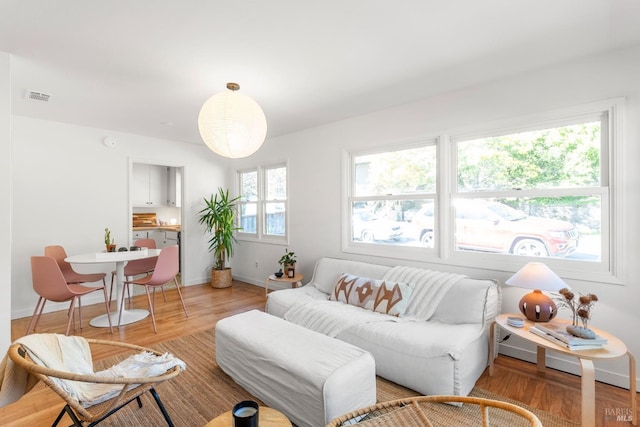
[139, 235]
[158, 236]
[171, 238]
[165, 238]
[149, 185]
[175, 187]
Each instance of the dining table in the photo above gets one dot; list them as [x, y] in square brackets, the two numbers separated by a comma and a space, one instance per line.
[120, 259]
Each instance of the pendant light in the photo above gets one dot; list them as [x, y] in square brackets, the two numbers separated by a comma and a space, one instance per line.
[231, 124]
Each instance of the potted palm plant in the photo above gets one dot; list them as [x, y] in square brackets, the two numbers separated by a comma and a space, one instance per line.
[218, 217]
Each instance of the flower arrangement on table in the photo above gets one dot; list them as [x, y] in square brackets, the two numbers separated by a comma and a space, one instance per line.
[581, 311]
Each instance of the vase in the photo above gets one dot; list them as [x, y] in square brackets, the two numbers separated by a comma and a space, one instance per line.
[111, 248]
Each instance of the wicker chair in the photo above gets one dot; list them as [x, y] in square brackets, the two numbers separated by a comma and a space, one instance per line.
[408, 412]
[96, 413]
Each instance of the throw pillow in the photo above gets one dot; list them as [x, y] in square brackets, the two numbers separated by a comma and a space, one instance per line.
[375, 295]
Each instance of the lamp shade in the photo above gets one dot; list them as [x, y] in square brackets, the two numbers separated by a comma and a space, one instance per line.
[536, 275]
[231, 124]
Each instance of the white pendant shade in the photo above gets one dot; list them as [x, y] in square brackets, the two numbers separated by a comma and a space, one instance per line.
[231, 124]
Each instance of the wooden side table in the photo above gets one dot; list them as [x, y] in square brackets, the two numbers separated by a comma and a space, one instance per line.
[613, 349]
[267, 417]
[296, 281]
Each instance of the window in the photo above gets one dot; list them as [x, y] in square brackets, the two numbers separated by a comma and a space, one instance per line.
[543, 187]
[387, 189]
[263, 202]
[546, 188]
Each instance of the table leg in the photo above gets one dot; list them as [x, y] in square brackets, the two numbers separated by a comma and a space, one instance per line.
[266, 288]
[632, 388]
[541, 354]
[588, 381]
[128, 316]
[492, 346]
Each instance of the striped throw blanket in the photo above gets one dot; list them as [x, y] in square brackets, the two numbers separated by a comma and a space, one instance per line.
[430, 287]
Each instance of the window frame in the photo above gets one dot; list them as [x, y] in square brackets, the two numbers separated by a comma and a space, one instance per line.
[611, 267]
[349, 171]
[261, 202]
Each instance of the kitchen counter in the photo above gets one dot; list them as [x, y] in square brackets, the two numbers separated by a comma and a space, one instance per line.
[158, 227]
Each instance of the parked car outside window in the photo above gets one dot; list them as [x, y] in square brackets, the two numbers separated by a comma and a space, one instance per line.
[368, 227]
[495, 227]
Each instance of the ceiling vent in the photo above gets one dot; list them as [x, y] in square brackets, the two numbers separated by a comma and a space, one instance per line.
[37, 96]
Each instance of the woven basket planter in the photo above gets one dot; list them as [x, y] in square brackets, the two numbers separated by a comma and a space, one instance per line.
[221, 278]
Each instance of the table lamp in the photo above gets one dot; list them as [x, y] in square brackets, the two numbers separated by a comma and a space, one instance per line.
[535, 305]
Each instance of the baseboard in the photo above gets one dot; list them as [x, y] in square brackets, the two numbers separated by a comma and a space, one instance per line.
[255, 282]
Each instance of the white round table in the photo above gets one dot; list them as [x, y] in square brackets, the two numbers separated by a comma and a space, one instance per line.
[120, 259]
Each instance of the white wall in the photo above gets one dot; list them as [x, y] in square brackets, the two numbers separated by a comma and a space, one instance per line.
[315, 179]
[5, 194]
[67, 187]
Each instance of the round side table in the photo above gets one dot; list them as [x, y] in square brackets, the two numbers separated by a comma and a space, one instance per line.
[613, 349]
[268, 417]
[295, 281]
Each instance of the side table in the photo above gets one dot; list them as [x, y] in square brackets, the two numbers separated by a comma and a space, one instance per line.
[296, 281]
[613, 349]
[267, 417]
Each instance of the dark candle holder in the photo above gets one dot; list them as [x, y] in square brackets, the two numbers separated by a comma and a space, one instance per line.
[245, 414]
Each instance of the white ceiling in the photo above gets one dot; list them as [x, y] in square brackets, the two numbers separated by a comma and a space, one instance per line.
[146, 66]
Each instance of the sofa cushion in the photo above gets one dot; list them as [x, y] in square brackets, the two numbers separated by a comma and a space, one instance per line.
[428, 357]
[280, 301]
[376, 295]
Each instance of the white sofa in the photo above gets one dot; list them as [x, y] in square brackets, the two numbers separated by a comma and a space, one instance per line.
[439, 345]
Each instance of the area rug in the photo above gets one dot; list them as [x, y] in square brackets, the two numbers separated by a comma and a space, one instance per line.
[204, 391]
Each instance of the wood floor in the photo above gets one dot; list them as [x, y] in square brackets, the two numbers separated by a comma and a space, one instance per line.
[555, 392]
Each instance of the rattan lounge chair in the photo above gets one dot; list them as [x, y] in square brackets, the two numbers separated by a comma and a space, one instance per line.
[92, 415]
[409, 412]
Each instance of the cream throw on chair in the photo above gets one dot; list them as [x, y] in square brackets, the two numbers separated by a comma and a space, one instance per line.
[72, 354]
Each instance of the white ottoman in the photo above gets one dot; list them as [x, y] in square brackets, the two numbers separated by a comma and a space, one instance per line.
[309, 377]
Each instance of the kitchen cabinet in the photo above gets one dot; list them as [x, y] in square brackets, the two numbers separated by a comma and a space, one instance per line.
[171, 238]
[149, 185]
[158, 236]
[164, 238]
[174, 194]
[139, 235]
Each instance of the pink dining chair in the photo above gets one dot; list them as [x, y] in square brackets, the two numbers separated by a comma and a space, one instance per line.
[70, 275]
[138, 266]
[165, 271]
[51, 285]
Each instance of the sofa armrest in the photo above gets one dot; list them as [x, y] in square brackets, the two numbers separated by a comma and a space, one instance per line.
[469, 301]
